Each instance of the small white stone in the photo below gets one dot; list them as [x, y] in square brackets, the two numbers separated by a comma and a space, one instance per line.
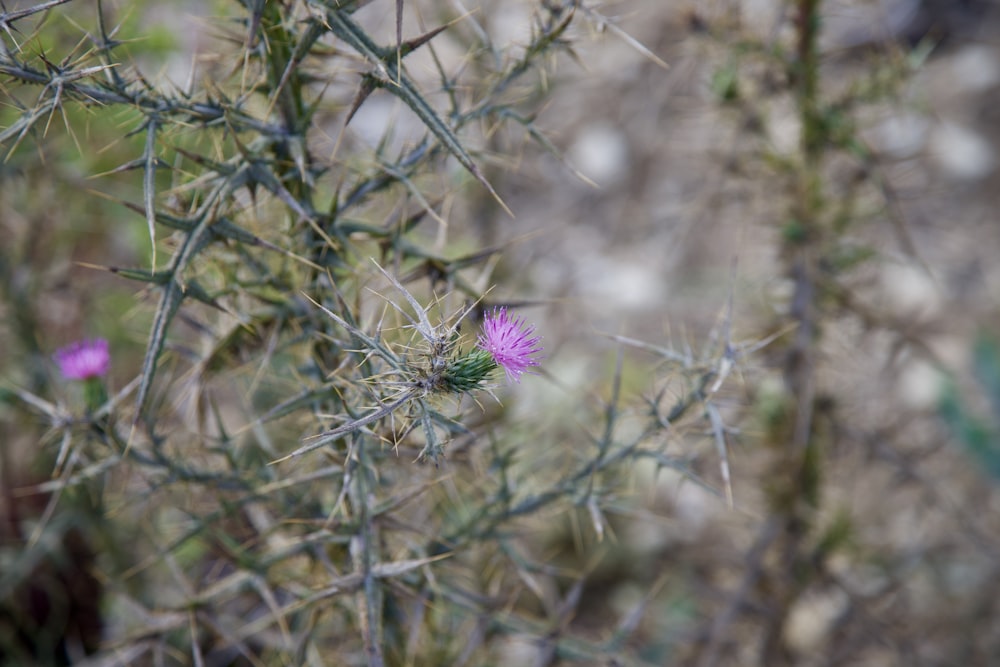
[919, 385]
[909, 290]
[976, 68]
[760, 17]
[784, 128]
[510, 28]
[961, 152]
[600, 152]
[630, 280]
[810, 622]
[519, 650]
[902, 135]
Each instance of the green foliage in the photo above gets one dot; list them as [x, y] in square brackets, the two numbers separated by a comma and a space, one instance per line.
[980, 436]
[725, 83]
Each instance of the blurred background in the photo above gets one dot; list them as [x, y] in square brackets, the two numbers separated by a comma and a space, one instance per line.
[786, 210]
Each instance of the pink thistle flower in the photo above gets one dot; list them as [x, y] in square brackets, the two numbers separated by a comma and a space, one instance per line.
[510, 342]
[83, 359]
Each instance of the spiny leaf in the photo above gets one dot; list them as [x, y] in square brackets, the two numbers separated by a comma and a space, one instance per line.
[371, 343]
[313, 32]
[171, 300]
[411, 45]
[394, 81]
[544, 142]
[327, 437]
[301, 400]
[149, 184]
[364, 90]
[6, 18]
[173, 294]
[222, 228]
[192, 288]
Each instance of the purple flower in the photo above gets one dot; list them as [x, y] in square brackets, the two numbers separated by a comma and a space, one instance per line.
[83, 359]
[510, 342]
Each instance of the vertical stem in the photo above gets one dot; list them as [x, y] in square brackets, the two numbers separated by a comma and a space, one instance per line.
[807, 24]
[799, 461]
[364, 548]
[278, 56]
[807, 206]
[285, 84]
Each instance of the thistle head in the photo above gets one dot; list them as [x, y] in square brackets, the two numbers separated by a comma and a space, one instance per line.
[510, 342]
[84, 359]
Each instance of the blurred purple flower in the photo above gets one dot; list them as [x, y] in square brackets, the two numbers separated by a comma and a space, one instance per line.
[510, 342]
[83, 359]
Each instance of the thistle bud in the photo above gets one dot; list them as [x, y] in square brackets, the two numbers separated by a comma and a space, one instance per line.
[467, 372]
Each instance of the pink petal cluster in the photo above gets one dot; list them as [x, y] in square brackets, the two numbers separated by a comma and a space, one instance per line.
[510, 342]
[83, 359]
